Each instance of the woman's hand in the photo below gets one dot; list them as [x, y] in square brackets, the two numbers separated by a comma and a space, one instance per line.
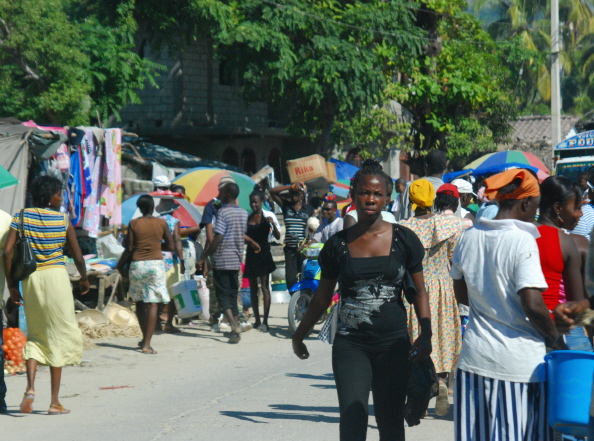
[182, 267]
[421, 348]
[270, 220]
[255, 246]
[84, 286]
[200, 265]
[15, 296]
[300, 349]
[566, 312]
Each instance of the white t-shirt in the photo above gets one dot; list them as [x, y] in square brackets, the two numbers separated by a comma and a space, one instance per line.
[497, 259]
[324, 231]
[386, 216]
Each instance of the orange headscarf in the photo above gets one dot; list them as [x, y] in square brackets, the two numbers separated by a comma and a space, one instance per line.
[528, 187]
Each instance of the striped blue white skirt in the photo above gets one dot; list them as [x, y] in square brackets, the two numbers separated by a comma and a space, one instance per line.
[486, 409]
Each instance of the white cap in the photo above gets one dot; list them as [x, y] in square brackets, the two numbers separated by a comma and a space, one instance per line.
[161, 181]
[463, 186]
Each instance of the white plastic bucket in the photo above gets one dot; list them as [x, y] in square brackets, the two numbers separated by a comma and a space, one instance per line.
[186, 298]
[204, 294]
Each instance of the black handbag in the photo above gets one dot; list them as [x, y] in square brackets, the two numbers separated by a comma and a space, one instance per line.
[24, 262]
[422, 386]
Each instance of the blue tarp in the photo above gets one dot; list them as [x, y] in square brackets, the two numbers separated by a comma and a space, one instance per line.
[344, 170]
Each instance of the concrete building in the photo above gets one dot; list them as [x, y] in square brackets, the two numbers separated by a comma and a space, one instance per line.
[198, 110]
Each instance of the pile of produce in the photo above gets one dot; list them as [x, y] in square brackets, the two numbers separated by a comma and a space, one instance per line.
[14, 342]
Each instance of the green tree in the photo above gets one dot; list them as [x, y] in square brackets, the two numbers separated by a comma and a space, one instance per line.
[458, 91]
[59, 65]
[318, 59]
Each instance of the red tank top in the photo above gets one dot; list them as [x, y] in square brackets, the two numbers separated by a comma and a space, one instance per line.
[551, 262]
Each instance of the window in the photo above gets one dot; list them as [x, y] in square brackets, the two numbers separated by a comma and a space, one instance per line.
[230, 157]
[248, 161]
[274, 160]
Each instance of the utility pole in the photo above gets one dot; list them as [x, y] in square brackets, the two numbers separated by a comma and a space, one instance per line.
[555, 74]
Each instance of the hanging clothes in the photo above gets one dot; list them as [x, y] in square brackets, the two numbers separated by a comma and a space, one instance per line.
[62, 158]
[92, 220]
[111, 190]
[74, 194]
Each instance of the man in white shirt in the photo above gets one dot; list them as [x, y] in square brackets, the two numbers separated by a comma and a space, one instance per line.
[332, 224]
[500, 378]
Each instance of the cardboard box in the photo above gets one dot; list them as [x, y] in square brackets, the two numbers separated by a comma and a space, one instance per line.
[331, 172]
[307, 168]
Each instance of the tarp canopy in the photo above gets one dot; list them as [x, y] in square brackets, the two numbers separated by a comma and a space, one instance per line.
[168, 157]
[16, 141]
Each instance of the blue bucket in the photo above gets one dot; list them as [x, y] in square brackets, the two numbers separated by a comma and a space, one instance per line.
[569, 381]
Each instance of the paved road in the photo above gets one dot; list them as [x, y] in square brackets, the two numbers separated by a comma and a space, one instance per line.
[196, 387]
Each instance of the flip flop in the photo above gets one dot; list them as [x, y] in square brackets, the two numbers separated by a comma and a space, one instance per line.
[57, 409]
[151, 352]
[27, 403]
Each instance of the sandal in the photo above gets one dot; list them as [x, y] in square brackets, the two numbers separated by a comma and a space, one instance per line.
[27, 403]
[151, 351]
[57, 409]
[171, 329]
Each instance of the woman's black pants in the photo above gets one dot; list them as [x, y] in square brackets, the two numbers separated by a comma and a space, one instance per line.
[359, 368]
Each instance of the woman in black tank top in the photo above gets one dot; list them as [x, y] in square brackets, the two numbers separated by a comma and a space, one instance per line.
[371, 350]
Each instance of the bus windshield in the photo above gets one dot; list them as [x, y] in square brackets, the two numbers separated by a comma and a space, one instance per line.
[572, 170]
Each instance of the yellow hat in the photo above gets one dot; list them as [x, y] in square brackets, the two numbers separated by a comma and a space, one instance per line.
[422, 194]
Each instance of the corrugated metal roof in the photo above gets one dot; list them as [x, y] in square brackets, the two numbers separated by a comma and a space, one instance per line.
[168, 157]
[535, 128]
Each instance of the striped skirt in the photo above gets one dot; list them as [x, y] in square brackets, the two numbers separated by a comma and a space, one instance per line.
[486, 409]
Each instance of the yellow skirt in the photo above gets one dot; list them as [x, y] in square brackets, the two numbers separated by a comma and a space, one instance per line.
[54, 338]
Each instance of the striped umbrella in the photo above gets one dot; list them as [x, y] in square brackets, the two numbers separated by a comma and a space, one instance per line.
[509, 156]
[202, 185]
[186, 213]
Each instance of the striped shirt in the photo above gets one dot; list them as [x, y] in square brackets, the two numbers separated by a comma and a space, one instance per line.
[295, 223]
[584, 226]
[232, 225]
[46, 231]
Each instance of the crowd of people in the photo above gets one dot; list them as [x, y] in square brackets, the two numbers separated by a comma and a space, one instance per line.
[471, 275]
[493, 263]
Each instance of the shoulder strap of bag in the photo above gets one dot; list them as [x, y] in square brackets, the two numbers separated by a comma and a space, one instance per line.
[21, 229]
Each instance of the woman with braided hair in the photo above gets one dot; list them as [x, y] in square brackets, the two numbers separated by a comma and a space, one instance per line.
[371, 349]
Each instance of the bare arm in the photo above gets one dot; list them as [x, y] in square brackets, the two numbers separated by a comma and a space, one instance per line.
[275, 193]
[319, 303]
[13, 286]
[539, 317]
[348, 221]
[169, 244]
[572, 276]
[190, 231]
[461, 291]
[209, 233]
[178, 246]
[422, 346]
[274, 228]
[211, 248]
[79, 260]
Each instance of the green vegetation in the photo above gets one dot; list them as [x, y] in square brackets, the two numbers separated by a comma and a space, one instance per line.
[59, 65]
[336, 67]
